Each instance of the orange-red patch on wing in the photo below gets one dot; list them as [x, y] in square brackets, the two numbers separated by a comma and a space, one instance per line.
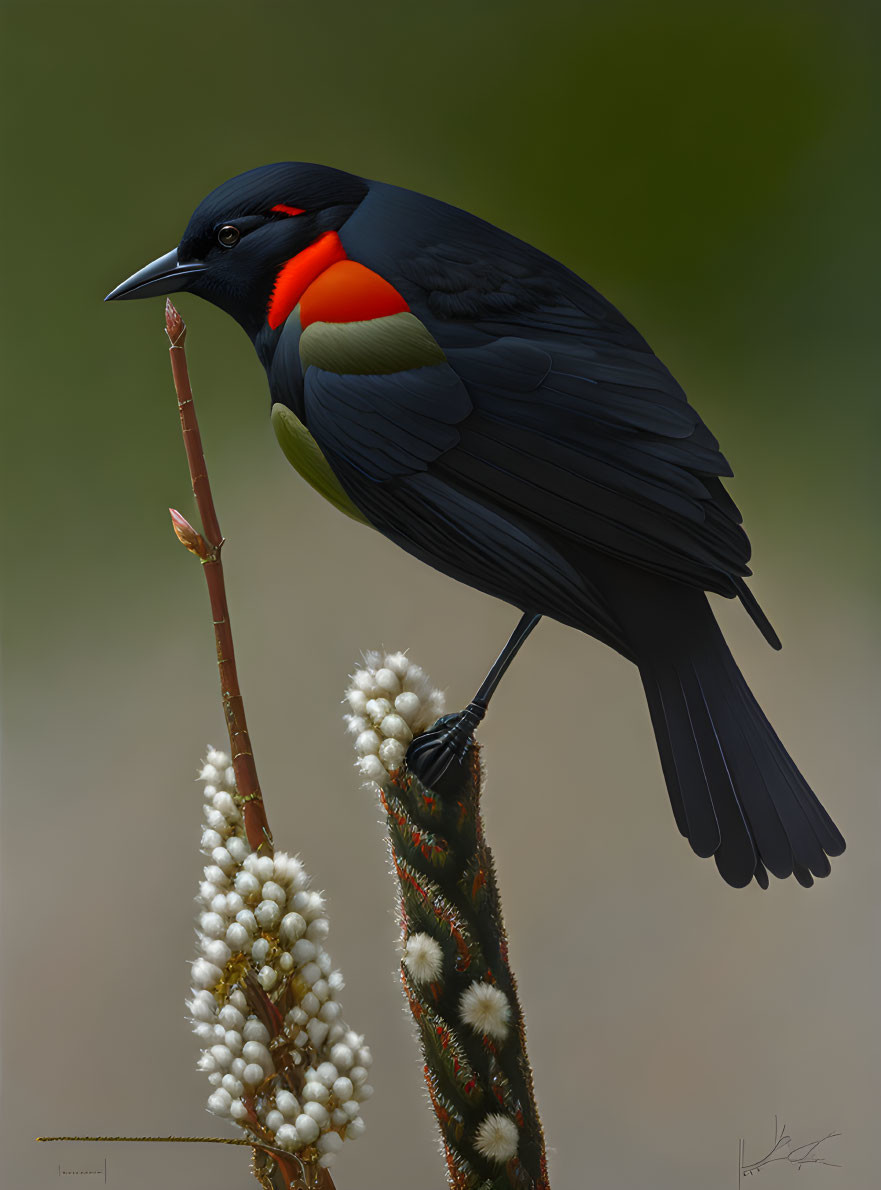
[283, 209]
[298, 274]
[349, 292]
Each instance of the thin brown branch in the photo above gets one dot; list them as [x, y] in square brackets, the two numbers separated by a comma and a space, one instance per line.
[207, 547]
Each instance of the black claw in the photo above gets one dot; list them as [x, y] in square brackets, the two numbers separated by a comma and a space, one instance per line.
[433, 754]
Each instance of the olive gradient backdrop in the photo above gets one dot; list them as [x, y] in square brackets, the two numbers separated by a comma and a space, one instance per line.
[712, 168]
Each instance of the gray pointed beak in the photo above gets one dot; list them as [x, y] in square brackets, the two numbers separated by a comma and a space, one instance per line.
[164, 275]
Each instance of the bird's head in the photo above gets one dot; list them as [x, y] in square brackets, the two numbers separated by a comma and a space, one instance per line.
[242, 237]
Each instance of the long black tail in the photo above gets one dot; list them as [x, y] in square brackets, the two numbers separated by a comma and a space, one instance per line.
[735, 791]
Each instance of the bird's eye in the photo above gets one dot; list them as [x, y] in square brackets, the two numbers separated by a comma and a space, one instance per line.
[228, 235]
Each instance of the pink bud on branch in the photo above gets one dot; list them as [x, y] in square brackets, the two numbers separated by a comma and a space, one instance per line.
[188, 536]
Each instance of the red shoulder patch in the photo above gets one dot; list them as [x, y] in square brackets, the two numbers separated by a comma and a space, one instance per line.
[298, 274]
[349, 292]
[284, 209]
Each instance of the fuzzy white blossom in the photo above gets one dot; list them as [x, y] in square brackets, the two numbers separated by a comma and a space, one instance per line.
[496, 1138]
[260, 931]
[423, 958]
[390, 701]
[486, 1009]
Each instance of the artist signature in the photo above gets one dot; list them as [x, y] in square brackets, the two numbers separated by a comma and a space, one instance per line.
[98, 1172]
[783, 1149]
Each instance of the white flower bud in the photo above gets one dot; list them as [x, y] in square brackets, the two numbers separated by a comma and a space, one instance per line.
[310, 1004]
[256, 1051]
[218, 903]
[342, 1057]
[318, 1112]
[358, 1075]
[367, 743]
[216, 952]
[253, 1075]
[355, 1128]
[220, 1102]
[267, 913]
[387, 681]
[215, 821]
[317, 1031]
[247, 885]
[335, 981]
[364, 1092]
[315, 1091]
[205, 974]
[327, 1073]
[318, 929]
[363, 1056]
[272, 891]
[208, 772]
[310, 973]
[287, 1137]
[324, 963]
[292, 927]
[338, 1117]
[260, 950]
[223, 859]
[326, 1160]
[331, 1142]
[210, 840]
[238, 1111]
[222, 1057]
[207, 892]
[394, 727]
[237, 937]
[203, 1006]
[232, 1039]
[224, 804]
[378, 708]
[215, 1078]
[229, 777]
[392, 753]
[352, 1108]
[238, 1067]
[372, 769]
[286, 961]
[329, 1011]
[212, 925]
[265, 868]
[255, 1030]
[233, 1085]
[247, 919]
[238, 848]
[342, 1088]
[321, 990]
[407, 705]
[287, 1103]
[230, 1017]
[216, 875]
[307, 1128]
[357, 700]
[268, 978]
[274, 1120]
[234, 904]
[304, 950]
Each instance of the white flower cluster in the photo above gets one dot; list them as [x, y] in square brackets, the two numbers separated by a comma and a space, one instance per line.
[259, 921]
[391, 701]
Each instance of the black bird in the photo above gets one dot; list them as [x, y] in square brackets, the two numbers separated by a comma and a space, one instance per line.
[482, 406]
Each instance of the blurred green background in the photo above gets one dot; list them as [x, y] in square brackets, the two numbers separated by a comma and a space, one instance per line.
[713, 169]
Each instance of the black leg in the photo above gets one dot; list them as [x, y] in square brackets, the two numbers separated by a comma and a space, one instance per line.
[431, 754]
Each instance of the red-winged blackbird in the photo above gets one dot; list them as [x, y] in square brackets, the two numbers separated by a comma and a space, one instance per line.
[494, 415]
